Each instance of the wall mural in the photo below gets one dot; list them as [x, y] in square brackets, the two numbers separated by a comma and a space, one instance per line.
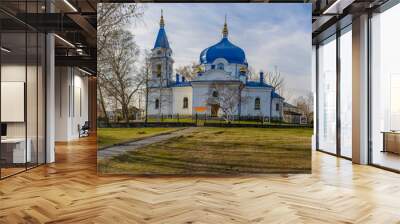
[204, 89]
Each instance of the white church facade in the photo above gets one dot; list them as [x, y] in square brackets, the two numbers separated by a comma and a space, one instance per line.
[220, 88]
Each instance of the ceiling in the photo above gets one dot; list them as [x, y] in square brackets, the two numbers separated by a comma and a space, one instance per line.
[74, 21]
[331, 15]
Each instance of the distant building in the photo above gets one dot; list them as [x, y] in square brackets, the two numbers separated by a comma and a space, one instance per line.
[222, 64]
[292, 114]
[134, 114]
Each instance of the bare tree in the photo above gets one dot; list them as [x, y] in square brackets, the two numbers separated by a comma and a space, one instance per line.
[275, 79]
[113, 16]
[120, 78]
[286, 93]
[251, 74]
[226, 97]
[146, 72]
[110, 17]
[306, 105]
[101, 100]
[188, 71]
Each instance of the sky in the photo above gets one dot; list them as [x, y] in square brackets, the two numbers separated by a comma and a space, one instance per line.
[272, 35]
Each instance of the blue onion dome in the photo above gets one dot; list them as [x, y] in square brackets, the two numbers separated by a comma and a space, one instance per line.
[223, 49]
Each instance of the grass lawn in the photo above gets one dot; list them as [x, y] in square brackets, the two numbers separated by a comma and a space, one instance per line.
[111, 136]
[210, 151]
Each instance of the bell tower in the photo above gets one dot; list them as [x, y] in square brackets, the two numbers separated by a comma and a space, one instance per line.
[161, 59]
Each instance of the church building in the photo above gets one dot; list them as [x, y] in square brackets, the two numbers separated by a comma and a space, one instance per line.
[221, 87]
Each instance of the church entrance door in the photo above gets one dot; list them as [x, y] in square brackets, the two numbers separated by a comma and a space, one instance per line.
[214, 110]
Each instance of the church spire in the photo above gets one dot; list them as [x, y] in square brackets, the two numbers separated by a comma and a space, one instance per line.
[162, 40]
[225, 30]
[162, 20]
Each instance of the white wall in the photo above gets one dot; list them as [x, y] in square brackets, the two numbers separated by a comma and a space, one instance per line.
[13, 101]
[11, 73]
[179, 93]
[165, 97]
[232, 68]
[14, 73]
[80, 105]
[62, 81]
[248, 97]
[200, 96]
[71, 92]
[33, 125]
[274, 112]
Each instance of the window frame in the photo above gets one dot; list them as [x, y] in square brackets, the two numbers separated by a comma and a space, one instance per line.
[337, 38]
[158, 70]
[185, 103]
[257, 103]
[215, 93]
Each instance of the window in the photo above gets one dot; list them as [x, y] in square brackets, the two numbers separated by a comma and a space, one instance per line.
[159, 52]
[157, 104]
[215, 93]
[346, 93]
[327, 95]
[212, 66]
[22, 87]
[257, 104]
[277, 107]
[158, 70]
[185, 103]
[385, 89]
[220, 66]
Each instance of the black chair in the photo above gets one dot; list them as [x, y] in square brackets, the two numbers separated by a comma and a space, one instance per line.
[84, 130]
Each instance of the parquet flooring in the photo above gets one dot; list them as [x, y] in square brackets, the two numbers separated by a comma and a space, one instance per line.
[70, 191]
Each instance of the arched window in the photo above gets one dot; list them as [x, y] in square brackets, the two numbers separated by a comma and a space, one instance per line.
[257, 104]
[157, 104]
[220, 66]
[215, 93]
[185, 102]
[277, 107]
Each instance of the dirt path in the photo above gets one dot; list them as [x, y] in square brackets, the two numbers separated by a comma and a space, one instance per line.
[131, 146]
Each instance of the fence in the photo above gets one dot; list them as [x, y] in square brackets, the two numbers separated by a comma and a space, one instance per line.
[179, 120]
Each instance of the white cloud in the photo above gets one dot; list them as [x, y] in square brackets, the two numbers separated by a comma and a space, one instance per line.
[271, 35]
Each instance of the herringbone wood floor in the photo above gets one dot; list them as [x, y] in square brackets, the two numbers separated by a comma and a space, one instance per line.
[70, 191]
